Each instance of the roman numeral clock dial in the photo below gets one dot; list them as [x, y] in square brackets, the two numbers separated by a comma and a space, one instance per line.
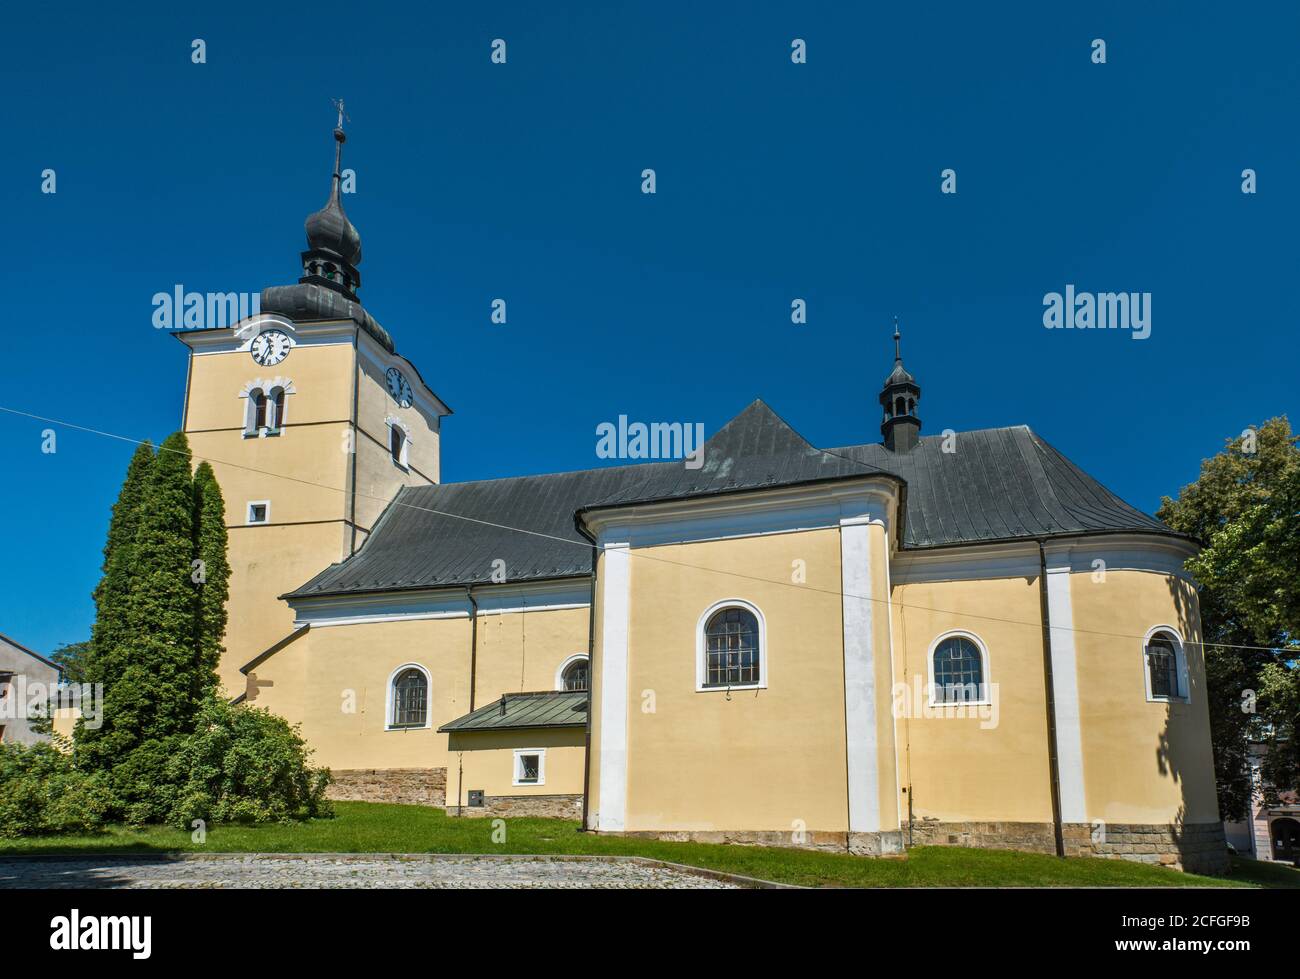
[269, 348]
[398, 387]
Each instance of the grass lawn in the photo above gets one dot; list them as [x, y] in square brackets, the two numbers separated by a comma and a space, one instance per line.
[368, 827]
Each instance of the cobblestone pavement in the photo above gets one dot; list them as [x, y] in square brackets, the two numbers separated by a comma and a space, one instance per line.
[333, 870]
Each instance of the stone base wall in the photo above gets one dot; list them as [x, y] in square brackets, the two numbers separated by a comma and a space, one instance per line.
[548, 806]
[1198, 848]
[413, 786]
[864, 844]
[1194, 847]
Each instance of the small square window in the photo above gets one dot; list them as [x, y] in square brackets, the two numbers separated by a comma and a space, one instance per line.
[530, 766]
[259, 512]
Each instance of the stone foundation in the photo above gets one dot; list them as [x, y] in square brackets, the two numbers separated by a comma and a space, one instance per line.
[864, 844]
[547, 806]
[1195, 847]
[413, 786]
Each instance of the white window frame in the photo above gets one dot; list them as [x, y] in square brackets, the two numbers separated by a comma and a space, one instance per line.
[404, 463]
[275, 426]
[701, 647]
[986, 671]
[248, 513]
[559, 670]
[388, 700]
[518, 766]
[1180, 660]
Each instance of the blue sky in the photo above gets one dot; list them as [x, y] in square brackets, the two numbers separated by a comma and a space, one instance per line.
[775, 181]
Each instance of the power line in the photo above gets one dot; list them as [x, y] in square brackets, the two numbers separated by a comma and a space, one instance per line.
[640, 554]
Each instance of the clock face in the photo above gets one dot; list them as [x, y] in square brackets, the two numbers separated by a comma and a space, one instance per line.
[398, 388]
[270, 347]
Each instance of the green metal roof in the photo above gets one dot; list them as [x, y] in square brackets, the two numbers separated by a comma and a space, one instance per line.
[548, 708]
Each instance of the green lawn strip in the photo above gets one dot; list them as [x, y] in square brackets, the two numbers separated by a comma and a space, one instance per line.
[1265, 874]
[364, 827]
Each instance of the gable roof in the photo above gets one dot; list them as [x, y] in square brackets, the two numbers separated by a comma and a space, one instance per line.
[548, 708]
[30, 652]
[998, 484]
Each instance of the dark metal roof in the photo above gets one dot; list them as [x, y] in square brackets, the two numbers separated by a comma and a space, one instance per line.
[517, 710]
[999, 484]
[309, 301]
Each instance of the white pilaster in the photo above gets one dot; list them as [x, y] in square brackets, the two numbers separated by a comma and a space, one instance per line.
[859, 675]
[611, 811]
[1065, 681]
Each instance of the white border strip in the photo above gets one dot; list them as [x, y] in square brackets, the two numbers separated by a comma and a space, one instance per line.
[611, 811]
[859, 677]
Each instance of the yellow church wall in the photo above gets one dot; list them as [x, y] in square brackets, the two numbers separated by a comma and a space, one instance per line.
[262, 560]
[375, 404]
[485, 760]
[307, 681]
[1143, 762]
[279, 683]
[765, 760]
[347, 680]
[892, 807]
[213, 401]
[520, 652]
[965, 768]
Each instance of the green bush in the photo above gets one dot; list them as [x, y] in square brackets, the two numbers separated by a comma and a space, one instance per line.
[41, 792]
[241, 764]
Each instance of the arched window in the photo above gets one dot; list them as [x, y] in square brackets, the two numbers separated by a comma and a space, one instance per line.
[258, 398]
[399, 441]
[275, 419]
[1166, 665]
[958, 670]
[731, 646]
[574, 674]
[408, 698]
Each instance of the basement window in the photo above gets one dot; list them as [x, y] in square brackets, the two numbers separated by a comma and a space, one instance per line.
[259, 511]
[530, 766]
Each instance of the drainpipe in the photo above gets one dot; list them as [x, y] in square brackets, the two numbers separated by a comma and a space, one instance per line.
[473, 676]
[473, 643]
[591, 659]
[1049, 685]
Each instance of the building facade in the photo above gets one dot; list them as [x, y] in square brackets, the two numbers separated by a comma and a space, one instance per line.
[27, 679]
[953, 639]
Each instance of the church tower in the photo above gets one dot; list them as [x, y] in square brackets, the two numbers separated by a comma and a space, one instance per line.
[901, 427]
[312, 422]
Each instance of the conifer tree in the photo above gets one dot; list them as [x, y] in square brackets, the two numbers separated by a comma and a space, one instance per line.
[210, 576]
[101, 662]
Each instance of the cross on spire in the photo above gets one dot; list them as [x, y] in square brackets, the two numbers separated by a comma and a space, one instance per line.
[898, 347]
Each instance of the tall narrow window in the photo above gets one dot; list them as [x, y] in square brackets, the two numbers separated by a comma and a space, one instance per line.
[258, 397]
[732, 655]
[396, 442]
[1166, 670]
[410, 699]
[276, 420]
[958, 676]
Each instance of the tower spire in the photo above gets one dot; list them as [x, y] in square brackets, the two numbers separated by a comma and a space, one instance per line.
[340, 137]
[333, 244]
[898, 348]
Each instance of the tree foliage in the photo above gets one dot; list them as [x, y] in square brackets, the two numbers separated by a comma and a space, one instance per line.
[1245, 507]
[168, 748]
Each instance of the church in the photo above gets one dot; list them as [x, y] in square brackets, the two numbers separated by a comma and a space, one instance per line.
[914, 640]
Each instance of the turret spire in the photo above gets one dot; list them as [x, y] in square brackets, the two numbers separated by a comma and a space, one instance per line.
[901, 428]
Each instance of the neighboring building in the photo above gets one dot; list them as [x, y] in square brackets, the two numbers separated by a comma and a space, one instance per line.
[20, 668]
[946, 639]
[1273, 831]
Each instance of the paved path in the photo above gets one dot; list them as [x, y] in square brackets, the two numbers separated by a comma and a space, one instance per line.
[342, 870]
